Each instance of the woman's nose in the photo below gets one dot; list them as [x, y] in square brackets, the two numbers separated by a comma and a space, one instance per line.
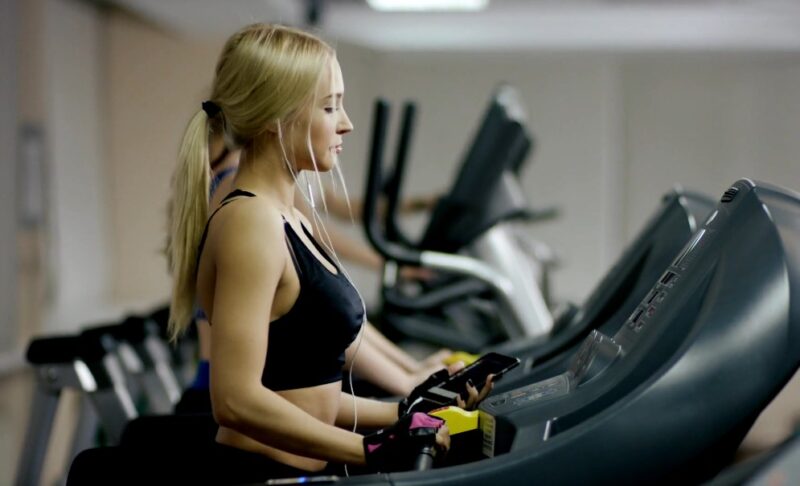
[345, 125]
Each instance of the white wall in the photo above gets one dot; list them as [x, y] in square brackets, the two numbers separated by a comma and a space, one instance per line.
[705, 123]
[8, 156]
[156, 82]
[74, 122]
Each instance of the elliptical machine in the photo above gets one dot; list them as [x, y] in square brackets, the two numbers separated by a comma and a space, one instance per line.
[490, 291]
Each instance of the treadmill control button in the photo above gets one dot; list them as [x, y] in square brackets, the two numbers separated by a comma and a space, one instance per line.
[498, 402]
[730, 194]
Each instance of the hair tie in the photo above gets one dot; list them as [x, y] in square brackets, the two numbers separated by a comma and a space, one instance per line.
[211, 108]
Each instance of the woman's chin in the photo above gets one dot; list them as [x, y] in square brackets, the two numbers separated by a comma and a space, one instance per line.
[327, 164]
[322, 165]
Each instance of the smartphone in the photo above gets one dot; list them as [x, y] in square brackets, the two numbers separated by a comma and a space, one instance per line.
[456, 385]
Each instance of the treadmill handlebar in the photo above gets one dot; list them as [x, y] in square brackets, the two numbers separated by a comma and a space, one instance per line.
[424, 461]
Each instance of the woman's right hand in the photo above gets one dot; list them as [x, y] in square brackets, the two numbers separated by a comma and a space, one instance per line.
[443, 439]
[396, 448]
[420, 376]
[438, 358]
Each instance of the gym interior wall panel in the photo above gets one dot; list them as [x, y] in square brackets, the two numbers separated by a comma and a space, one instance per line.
[706, 122]
[570, 106]
[74, 123]
[156, 82]
[8, 157]
[774, 123]
[614, 173]
[32, 172]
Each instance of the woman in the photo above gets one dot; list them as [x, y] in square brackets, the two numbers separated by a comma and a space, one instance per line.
[282, 313]
[381, 363]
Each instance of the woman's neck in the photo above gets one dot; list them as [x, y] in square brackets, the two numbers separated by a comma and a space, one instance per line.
[266, 174]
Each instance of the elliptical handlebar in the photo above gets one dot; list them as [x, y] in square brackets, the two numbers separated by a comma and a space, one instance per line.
[392, 188]
[390, 250]
[459, 264]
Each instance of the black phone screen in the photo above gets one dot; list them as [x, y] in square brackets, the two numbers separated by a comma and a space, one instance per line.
[490, 363]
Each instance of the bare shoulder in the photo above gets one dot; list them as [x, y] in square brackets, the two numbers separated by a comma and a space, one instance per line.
[250, 231]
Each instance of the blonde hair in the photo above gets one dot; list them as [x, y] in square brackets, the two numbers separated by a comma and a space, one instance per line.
[265, 78]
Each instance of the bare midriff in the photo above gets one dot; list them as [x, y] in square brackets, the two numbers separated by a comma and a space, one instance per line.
[321, 402]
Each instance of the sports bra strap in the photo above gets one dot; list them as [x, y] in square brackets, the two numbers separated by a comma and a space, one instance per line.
[229, 198]
[236, 193]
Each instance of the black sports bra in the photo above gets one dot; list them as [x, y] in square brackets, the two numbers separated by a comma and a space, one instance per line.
[307, 344]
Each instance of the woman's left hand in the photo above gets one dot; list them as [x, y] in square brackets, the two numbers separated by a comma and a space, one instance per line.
[475, 397]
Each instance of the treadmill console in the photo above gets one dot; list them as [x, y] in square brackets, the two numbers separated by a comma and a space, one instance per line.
[597, 353]
[541, 406]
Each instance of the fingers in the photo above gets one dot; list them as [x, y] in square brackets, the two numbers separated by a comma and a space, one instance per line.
[417, 273]
[475, 397]
[455, 367]
[438, 357]
[422, 375]
[487, 388]
[472, 395]
[443, 438]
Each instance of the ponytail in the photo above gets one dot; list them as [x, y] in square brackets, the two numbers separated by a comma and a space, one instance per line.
[188, 217]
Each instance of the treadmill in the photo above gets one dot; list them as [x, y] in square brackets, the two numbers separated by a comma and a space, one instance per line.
[618, 293]
[668, 397]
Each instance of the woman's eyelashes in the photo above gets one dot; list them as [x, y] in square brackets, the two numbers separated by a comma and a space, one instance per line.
[330, 109]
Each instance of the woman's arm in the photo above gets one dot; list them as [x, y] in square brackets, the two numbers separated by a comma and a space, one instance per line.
[354, 250]
[203, 331]
[420, 368]
[345, 247]
[250, 257]
[337, 205]
[372, 365]
[372, 414]
[389, 349]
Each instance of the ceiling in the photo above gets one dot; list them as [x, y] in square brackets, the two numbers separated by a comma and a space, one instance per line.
[511, 25]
